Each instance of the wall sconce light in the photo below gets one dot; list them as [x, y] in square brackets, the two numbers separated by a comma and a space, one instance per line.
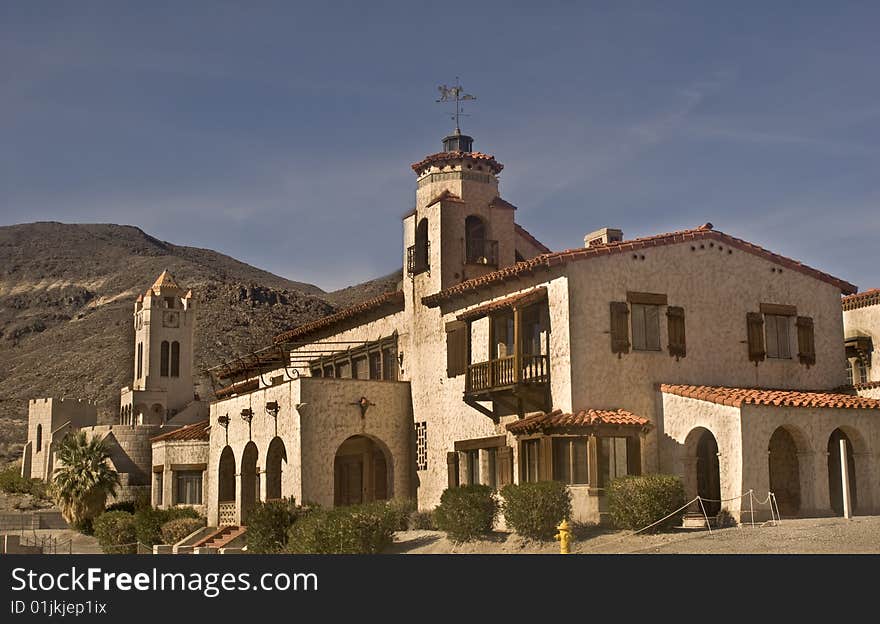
[247, 415]
[272, 408]
[223, 420]
[400, 358]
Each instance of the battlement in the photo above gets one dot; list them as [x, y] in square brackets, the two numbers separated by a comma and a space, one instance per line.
[66, 401]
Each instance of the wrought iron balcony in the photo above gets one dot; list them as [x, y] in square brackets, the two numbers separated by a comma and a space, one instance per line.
[484, 252]
[418, 262]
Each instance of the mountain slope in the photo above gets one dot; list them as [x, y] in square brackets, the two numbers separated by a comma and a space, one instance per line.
[66, 300]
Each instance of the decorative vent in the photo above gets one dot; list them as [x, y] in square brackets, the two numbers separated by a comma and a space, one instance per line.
[421, 445]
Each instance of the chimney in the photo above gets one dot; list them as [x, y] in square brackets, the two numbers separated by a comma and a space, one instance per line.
[603, 237]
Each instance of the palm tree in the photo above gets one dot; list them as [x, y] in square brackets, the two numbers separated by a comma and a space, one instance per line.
[84, 479]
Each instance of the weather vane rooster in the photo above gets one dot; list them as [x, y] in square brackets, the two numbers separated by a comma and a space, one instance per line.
[456, 94]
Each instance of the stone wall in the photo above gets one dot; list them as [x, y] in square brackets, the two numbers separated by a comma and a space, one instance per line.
[47, 416]
[170, 456]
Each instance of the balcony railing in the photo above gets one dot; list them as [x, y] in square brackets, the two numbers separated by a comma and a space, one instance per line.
[415, 262]
[502, 372]
[483, 252]
[226, 513]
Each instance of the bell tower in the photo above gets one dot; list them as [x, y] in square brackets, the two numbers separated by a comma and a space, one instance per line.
[460, 227]
[164, 323]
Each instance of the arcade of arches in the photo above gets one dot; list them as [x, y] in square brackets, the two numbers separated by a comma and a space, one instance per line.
[789, 470]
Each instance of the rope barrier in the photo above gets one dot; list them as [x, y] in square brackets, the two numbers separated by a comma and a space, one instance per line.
[771, 499]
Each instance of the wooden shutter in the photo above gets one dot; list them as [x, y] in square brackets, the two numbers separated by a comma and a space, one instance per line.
[806, 341]
[456, 348]
[504, 465]
[755, 322]
[675, 325]
[452, 469]
[619, 327]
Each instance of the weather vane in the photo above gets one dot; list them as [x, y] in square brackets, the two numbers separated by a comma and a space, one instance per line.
[456, 93]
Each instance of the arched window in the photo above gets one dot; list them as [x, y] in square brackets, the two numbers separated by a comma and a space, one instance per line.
[140, 364]
[163, 359]
[419, 262]
[474, 239]
[39, 438]
[175, 359]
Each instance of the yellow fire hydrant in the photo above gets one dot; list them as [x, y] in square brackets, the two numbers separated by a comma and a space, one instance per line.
[564, 537]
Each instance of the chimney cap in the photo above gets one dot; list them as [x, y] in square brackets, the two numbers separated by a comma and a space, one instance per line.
[603, 236]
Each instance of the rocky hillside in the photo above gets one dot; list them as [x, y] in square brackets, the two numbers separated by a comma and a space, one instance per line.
[66, 297]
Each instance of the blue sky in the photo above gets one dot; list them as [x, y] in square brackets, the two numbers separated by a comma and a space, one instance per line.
[282, 133]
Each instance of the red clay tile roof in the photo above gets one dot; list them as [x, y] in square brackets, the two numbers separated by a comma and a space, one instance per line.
[441, 158]
[862, 299]
[446, 195]
[584, 418]
[390, 299]
[522, 298]
[237, 388]
[736, 397]
[534, 241]
[196, 431]
[549, 260]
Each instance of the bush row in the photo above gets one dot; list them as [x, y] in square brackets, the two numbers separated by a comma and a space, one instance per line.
[118, 531]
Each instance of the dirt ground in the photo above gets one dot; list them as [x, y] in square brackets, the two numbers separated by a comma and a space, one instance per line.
[861, 535]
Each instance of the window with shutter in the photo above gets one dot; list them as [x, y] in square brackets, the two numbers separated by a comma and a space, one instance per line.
[776, 330]
[645, 327]
[755, 322]
[675, 329]
[619, 327]
[806, 341]
[456, 348]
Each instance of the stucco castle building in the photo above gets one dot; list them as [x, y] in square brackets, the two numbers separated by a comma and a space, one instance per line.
[498, 361]
[160, 398]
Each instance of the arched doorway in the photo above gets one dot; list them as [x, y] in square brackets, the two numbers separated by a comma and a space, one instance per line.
[702, 448]
[785, 477]
[360, 472]
[226, 487]
[249, 480]
[835, 485]
[276, 457]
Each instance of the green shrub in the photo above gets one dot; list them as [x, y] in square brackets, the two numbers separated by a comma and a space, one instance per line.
[148, 522]
[402, 509]
[636, 502]
[466, 512]
[423, 520]
[175, 530]
[126, 506]
[115, 531]
[534, 509]
[12, 482]
[359, 529]
[268, 523]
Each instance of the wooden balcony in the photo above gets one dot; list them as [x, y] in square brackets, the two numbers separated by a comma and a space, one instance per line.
[510, 381]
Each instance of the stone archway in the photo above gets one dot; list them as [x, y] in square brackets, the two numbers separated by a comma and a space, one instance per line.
[785, 470]
[701, 449]
[360, 472]
[276, 459]
[226, 487]
[835, 485]
[249, 480]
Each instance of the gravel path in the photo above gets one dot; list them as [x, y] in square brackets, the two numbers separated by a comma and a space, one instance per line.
[796, 536]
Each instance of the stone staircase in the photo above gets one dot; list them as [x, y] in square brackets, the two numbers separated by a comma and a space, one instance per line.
[221, 538]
